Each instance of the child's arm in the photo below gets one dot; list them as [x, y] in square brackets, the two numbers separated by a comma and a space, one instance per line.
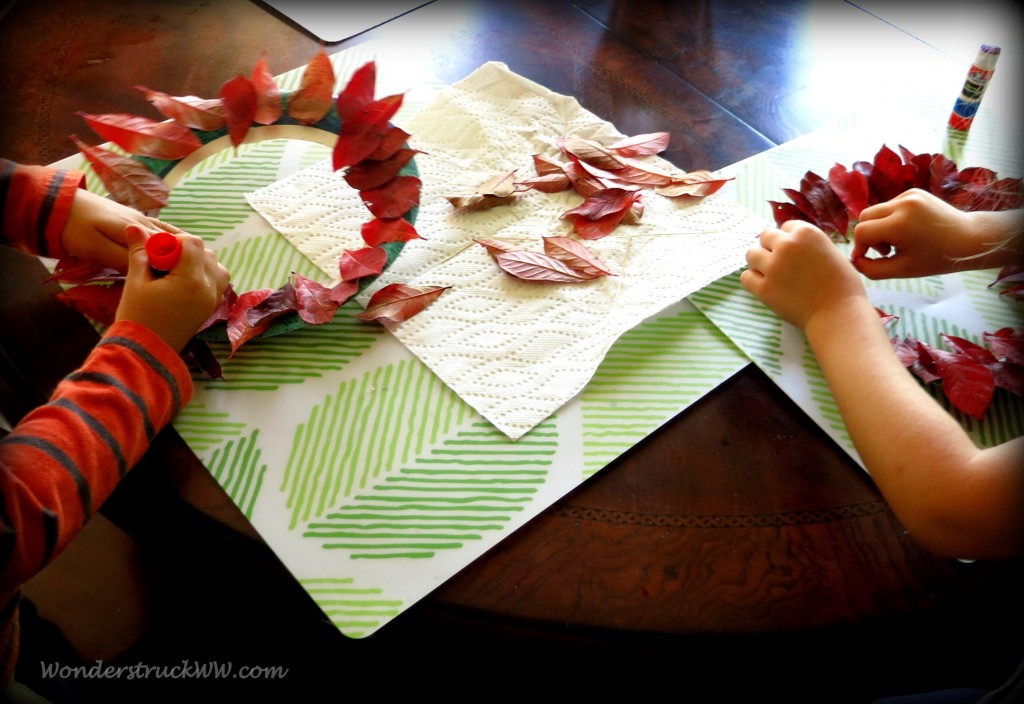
[47, 211]
[918, 234]
[65, 458]
[956, 499]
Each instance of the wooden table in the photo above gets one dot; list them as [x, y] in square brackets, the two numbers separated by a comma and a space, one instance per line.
[737, 537]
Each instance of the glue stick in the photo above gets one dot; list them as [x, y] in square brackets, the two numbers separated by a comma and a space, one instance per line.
[978, 78]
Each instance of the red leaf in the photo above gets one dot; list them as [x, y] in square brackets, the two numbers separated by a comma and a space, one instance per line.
[537, 266]
[362, 134]
[1006, 344]
[223, 310]
[357, 263]
[129, 181]
[394, 139]
[358, 92]
[851, 187]
[641, 144]
[275, 305]
[268, 95]
[495, 247]
[394, 199]
[397, 303]
[197, 352]
[314, 97]
[968, 385]
[381, 230]
[591, 152]
[72, 270]
[239, 98]
[582, 181]
[889, 175]
[969, 349]
[544, 166]
[548, 183]
[576, 255]
[191, 111]
[370, 173]
[317, 303]
[696, 184]
[239, 330]
[607, 201]
[140, 135]
[596, 229]
[95, 301]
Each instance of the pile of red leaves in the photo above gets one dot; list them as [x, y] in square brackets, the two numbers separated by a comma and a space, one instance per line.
[968, 373]
[372, 151]
[610, 179]
[834, 203]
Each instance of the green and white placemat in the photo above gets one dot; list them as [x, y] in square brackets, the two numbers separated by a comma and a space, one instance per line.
[366, 474]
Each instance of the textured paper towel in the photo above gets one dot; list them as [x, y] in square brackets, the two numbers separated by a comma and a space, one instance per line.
[516, 351]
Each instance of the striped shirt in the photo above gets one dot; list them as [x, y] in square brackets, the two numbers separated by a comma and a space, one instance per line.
[63, 459]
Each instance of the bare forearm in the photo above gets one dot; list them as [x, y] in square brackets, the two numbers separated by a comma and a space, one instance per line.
[956, 499]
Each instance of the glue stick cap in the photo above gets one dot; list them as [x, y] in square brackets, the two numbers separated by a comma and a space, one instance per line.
[163, 250]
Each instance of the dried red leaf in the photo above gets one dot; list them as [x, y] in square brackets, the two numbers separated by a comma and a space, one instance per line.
[591, 152]
[197, 352]
[548, 183]
[495, 247]
[239, 329]
[72, 270]
[851, 187]
[315, 95]
[607, 201]
[967, 384]
[641, 144]
[544, 165]
[397, 303]
[317, 303]
[269, 107]
[538, 266]
[129, 181]
[357, 263]
[394, 199]
[576, 255]
[358, 92]
[362, 134]
[381, 230]
[223, 310]
[239, 98]
[394, 139]
[1007, 344]
[479, 201]
[695, 184]
[95, 301]
[139, 135]
[371, 173]
[191, 111]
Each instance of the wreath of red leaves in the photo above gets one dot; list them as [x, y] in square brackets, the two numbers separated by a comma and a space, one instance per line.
[373, 153]
[968, 373]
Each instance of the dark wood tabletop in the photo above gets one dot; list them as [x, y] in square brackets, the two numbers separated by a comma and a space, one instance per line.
[738, 543]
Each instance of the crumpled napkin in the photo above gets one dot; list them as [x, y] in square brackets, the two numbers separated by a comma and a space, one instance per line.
[514, 350]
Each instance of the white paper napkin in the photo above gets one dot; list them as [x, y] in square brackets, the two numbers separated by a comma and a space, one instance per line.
[516, 351]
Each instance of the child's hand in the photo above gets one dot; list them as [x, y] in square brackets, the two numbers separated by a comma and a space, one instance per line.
[95, 229]
[915, 234]
[798, 272]
[173, 305]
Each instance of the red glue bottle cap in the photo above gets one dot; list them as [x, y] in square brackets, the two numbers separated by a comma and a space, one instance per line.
[163, 250]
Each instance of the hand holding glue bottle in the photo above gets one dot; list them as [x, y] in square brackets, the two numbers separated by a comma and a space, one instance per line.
[174, 306]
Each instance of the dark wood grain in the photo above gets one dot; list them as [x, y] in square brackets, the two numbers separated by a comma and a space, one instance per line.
[738, 534]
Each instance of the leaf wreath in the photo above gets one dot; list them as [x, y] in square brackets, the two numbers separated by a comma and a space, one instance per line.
[373, 153]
